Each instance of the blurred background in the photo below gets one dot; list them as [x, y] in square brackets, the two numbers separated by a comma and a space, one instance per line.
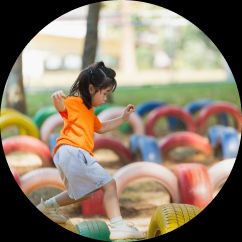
[146, 44]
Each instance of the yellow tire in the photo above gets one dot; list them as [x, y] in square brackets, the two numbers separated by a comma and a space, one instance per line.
[168, 217]
[5, 111]
[23, 122]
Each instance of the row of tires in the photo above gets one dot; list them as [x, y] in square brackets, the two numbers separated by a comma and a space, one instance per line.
[165, 219]
[146, 147]
[47, 120]
[189, 183]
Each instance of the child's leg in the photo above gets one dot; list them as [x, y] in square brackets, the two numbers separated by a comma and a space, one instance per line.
[63, 199]
[118, 228]
[110, 200]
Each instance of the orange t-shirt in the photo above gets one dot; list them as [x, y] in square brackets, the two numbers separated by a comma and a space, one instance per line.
[80, 123]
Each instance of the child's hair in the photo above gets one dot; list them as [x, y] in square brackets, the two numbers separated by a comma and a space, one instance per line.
[96, 74]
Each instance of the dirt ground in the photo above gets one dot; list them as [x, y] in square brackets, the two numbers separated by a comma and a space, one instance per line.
[137, 202]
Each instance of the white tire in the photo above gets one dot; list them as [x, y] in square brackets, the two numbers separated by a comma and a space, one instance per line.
[144, 169]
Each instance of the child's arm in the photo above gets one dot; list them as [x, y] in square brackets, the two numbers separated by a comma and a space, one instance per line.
[58, 100]
[114, 123]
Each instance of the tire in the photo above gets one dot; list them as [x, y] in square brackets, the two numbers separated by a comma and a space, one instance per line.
[219, 173]
[43, 114]
[50, 124]
[40, 178]
[99, 109]
[15, 175]
[143, 169]
[146, 107]
[197, 105]
[135, 120]
[168, 110]
[28, 144]
[147, 147]
[185, 138]
[194, 184]
[23, 122]
[114, 145]
[94, 229]
[169, 217]
[216, 108]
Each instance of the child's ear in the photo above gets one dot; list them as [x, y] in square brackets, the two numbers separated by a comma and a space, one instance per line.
[91, 89]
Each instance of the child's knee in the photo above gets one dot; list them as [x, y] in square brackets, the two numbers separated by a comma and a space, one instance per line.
[110, 186]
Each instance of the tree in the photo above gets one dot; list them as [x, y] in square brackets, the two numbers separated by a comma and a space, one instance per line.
[91, 40]
[15, 95]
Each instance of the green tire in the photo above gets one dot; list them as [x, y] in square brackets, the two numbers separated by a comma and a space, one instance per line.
[43, 114]
[99, 109]
[94, 229]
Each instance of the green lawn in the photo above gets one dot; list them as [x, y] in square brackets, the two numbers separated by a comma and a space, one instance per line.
[178, 94]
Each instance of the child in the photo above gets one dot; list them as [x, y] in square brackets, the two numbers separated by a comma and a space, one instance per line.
[73, 153]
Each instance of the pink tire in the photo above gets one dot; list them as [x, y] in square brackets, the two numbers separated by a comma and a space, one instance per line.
[135, 120]
[219, 172]
[116, 146]
[215, 108]
[144, 169]
[185, 138]
[168, 110]
[194, 184]
[15, 175]
[50, 124]
[40, 178]
[28, 144]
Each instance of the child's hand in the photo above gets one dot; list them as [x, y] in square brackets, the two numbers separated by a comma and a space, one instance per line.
[130, 108]
[58, 95]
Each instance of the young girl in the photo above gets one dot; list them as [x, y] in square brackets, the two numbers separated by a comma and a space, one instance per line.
[73, 153]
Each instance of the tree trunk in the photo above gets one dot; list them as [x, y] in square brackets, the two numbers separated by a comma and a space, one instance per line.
[91, 40]
[15, 96]
[127, 58]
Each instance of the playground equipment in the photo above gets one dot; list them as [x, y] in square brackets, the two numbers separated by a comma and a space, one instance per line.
[216, 108]
[183, 139]
[168, 217]
[135, 120]
[165, 219]
[144, 169]
[22, 122]
[225, 138]
[41, 178]
[146, 146]
[31, 144]
[194, 184]
[219, 173]
[146, 107]
[195, 106]
[169, 110]
[49, 126]
[43, 114]
[115, 145]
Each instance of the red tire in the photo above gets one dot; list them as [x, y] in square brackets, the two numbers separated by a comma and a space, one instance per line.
[215, 108]
[143, 169]
[135, 120]
[219, 173]
[28, 144]
[40, 178]
[114, 145]
[185, 138]
[194, 184]
[168, 110]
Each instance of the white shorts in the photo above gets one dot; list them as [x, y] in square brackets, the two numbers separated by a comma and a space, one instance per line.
[80, 172]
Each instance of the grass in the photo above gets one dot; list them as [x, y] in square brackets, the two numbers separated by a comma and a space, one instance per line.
[178, 94]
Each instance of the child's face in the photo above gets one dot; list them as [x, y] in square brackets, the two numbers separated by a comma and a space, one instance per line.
[100, 97]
